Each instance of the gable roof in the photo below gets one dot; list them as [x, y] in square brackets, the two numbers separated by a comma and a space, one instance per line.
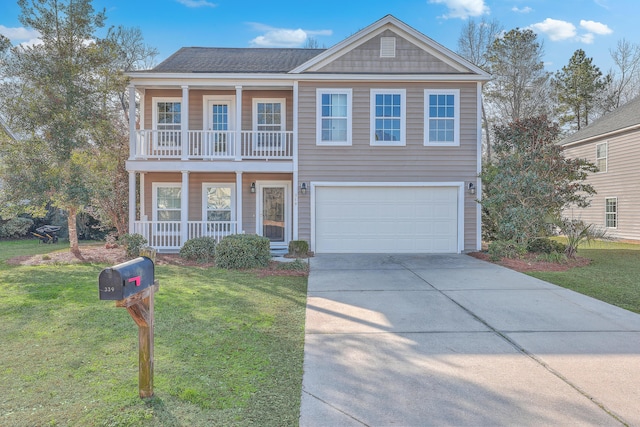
[621, 119]
[235, 60]
[454, 60]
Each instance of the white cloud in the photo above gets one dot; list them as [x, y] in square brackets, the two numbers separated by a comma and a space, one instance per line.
[525, 9]
[463, 8]
[18, 33]
[586, 38]
[197, 3]
[555, 29]
[284, 37]
[595, 27]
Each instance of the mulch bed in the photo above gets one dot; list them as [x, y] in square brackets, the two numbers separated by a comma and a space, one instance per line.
[530, 263]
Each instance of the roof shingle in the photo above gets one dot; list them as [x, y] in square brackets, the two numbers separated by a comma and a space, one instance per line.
[235, 60]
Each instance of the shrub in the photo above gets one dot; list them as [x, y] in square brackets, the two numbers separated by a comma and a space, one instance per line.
[505, 249]
[297, 265]
[201, 249]
[243, 251]
[544, 245]
[15, 227]
[133, 243]
[578, 232]
[298, 248]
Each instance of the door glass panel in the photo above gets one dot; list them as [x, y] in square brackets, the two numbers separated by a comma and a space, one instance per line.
[273, 213]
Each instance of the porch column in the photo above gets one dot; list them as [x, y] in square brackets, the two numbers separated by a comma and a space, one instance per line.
[238, 146]
[184, 122]
[184, 209]
[239, 202]
[143, 208]
[132, 122]
[132, 201]
[295, 183]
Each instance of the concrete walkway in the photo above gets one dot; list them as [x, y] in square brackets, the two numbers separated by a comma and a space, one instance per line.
[419, 340]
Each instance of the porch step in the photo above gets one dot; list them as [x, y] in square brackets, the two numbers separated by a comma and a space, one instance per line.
[278, 252]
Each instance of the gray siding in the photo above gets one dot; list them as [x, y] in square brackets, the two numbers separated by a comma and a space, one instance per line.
[411, 163]
[409, 59]
[620, 180]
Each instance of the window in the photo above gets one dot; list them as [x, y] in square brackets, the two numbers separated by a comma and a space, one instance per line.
[442, 121]
[388, 117]
[601, 156]
[218, 202]
[333, 116]
[167, 202]
[167, 120]
[269, 120]
[611, 212]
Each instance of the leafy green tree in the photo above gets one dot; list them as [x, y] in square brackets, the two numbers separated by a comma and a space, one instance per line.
[530, 182]
[520, 85]
[580, 89]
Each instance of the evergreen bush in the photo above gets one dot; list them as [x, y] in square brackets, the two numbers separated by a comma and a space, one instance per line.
[243, 251]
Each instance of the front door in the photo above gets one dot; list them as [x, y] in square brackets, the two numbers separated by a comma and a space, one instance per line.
[274, 212]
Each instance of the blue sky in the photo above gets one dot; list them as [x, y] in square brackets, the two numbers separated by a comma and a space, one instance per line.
[563, 25]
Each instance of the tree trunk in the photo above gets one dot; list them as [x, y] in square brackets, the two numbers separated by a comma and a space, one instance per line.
[73, 232]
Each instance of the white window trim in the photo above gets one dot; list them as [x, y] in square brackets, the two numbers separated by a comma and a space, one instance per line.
[207, 185]
[206, 119]
[154, 113]
[154, 204]
[403, 115]
[456, 124]
[616, 213]
[606, 156]
[283, 111]
[319, 93]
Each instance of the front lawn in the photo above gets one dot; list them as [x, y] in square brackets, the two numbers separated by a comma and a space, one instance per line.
[228, 347]
[613, 275]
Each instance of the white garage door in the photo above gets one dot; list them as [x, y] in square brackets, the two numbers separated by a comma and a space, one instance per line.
[386, 219]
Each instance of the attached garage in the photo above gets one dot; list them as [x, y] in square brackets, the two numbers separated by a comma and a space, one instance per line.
[387, 218]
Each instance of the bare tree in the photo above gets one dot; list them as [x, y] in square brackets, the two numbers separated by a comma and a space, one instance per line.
[473, 44]
[625, 83]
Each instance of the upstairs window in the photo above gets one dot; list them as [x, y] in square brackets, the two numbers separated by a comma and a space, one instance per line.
[388, 117]
[442, 117]
[167, 119]
[333, 116]
[601, 156]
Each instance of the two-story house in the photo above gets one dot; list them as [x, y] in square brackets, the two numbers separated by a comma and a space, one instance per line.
[612, 143]
[372, 145]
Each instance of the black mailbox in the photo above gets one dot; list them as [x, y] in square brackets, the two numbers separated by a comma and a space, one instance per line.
[126, 279]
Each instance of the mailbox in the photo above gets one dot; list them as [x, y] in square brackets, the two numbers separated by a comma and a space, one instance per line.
[126, 279]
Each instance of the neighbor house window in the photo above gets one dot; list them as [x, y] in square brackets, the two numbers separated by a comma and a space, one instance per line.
[333, 116]
[167, 121]
[611, 212]
[601, 156]
[442, 117]
[388, 117]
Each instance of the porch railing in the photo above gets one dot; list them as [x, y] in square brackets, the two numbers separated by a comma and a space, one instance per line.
[167, 235]
[213, 145]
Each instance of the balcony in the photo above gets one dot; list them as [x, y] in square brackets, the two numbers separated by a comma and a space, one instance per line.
[213, 145]
[168, 236]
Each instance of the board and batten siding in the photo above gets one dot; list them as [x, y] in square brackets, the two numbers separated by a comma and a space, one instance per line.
[621, 180]
[414, 162]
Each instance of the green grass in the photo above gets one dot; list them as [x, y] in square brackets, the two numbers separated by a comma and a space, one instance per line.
[613, 275]
[228, 348]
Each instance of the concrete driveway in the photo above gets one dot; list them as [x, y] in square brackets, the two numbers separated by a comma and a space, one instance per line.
[418, 340]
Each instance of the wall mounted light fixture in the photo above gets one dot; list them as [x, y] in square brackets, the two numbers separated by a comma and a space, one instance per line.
[253, 187]
[303, 188]
[472, 188]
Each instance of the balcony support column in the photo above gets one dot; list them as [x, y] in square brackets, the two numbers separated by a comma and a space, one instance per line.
[184, 209]
[239, 189]
[132, 201]
[132, 122]
[238, 139]
[184, 122]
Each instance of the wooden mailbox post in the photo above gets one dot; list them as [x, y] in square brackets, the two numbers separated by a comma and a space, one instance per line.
[132, 285]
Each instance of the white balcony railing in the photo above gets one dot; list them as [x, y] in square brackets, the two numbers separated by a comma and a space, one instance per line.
[213, 145]
[167, 235]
